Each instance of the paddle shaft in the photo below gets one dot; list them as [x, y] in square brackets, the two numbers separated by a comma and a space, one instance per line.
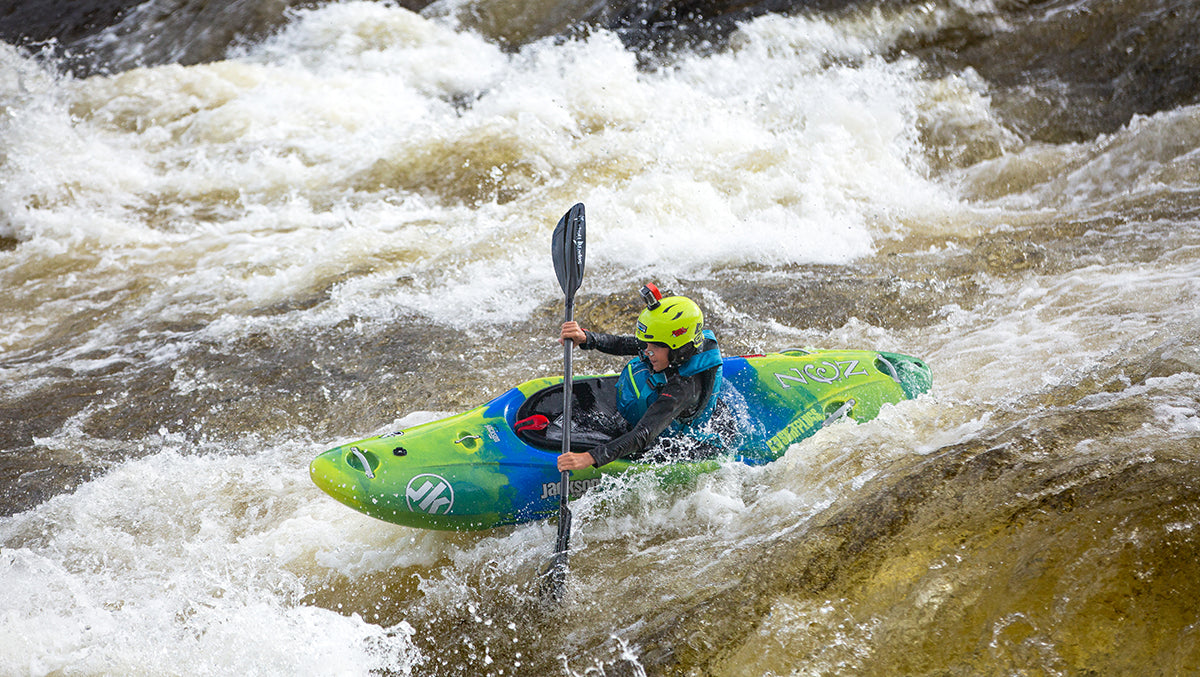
[564, 494]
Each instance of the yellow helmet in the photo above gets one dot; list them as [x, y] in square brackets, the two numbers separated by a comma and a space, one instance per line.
[674, 321]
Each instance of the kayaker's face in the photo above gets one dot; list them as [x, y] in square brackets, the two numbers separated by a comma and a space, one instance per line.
[658, 355]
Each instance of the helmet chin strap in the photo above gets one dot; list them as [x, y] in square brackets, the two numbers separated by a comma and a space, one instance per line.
[679, 355]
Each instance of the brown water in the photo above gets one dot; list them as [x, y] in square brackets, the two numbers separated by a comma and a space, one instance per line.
[212, 272]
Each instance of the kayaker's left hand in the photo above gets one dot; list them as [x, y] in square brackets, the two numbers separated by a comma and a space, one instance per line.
[574, 461]
[573, 332]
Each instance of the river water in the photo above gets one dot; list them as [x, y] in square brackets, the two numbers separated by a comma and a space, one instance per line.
[212, 272]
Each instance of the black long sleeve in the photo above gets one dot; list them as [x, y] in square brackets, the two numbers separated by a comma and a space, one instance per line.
[610, 343]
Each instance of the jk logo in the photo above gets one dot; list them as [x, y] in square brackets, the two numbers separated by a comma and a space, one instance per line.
[429, 493]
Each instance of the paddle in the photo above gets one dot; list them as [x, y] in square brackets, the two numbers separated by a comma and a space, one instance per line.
[567, 246]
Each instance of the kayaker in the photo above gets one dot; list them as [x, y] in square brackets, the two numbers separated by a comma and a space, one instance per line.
[669, 391]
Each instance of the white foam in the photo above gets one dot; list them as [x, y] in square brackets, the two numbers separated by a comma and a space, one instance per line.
[365, 143]
[199, 561]
[1149, 155]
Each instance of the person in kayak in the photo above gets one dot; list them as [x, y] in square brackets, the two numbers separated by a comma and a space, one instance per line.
[669, 391]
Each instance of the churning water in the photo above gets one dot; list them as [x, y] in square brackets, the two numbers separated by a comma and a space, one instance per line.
[213, 272]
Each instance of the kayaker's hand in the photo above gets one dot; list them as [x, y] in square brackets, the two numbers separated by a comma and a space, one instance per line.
[573, 332]
[574, 461]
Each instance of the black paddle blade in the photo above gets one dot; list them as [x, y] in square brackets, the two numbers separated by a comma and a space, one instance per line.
[554, 578]
[568, 247]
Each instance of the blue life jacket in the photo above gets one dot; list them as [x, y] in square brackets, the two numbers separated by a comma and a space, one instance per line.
[638, 387]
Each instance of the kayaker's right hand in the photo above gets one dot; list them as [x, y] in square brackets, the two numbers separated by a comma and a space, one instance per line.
[575, 461]
[571, 331]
